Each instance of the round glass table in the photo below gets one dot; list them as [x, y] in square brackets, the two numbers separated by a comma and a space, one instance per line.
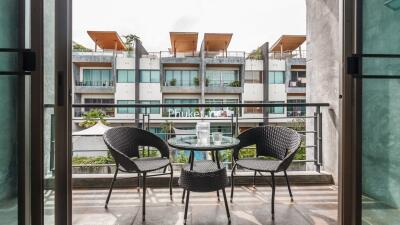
[208, 171]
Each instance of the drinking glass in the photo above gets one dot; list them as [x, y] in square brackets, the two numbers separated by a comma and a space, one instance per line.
[217, 138]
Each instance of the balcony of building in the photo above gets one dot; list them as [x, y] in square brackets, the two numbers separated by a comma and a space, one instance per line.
[184, 80]
[297, 82]
[315, 196]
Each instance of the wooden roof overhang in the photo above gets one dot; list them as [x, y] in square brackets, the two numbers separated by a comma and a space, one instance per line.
[215, 42]
[288, 43]
[183, 42]
[109, 40]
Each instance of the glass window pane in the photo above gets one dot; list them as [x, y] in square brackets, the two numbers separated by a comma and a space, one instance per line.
[155, 76]
[145, 76]
[122, 76]
[131, 76]
[279, 77]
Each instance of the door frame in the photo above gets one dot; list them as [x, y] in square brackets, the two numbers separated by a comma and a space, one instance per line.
[62, 111]
[349, 211]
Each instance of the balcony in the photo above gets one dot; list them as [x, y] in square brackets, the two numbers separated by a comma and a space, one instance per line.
[83, 87]
[315, 199]
[229, 87]
[225, 57]
[167, 57]
[296, 54]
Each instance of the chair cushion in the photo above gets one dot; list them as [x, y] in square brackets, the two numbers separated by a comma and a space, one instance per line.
[148, 164]
[259, 164]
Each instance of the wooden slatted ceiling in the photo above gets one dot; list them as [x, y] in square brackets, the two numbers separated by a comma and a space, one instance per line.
[217, 41]
[109, 40]
[183, 41]
[288, 43]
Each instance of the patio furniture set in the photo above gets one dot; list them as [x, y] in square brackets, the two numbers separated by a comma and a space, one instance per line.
[275, 150]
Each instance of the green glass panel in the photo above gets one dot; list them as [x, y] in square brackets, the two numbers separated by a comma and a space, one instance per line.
[8, 134]
[380, 120]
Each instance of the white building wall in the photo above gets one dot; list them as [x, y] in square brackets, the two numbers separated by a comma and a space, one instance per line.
[253, 92]
[253, 64]
[149, 63]
[150, 91]
[125, 63]
[277, 65]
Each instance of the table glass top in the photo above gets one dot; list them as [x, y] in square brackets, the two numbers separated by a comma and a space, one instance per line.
[192, 143]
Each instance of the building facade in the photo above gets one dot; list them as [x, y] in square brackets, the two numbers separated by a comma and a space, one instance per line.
[189, 74]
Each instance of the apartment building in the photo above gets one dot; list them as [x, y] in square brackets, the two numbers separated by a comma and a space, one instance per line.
[194, 70]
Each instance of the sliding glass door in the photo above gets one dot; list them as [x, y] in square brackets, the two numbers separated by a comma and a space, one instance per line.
[379, 49]
[14, 144]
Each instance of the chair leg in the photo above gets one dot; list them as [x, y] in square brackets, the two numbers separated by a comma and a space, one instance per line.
[144, 198]
[170, 181]
[111, 187]
[218, 196]
[273, 196]
[232, 181]
[254, 179]
[138, 182]
[226, 206]
[183, 195]
[288, 185]
[186, 207]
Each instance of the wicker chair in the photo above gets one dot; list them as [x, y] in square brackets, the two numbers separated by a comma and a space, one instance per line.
[123, 144]
[279, 143]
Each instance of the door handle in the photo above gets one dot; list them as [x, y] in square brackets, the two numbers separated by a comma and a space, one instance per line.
[60, 88]
[27, 62]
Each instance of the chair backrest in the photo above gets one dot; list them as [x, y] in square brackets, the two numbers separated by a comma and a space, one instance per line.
[278, 142]
[123, 144]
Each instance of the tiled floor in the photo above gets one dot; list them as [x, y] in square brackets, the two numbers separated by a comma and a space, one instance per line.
[312, 205]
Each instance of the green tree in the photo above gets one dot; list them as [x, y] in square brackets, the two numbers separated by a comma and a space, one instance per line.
[255, 54]
[80, 48]
[129, 40]
[91, 118]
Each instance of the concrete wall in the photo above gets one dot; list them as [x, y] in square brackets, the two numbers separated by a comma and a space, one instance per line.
[323, 54]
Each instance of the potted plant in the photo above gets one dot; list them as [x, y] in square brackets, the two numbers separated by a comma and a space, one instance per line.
[172, 82]
[196, 81]
[235, 83]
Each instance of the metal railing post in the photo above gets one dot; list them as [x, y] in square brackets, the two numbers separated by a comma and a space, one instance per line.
[316, 137]
[232, 128]
[319, 138]
[237, 123]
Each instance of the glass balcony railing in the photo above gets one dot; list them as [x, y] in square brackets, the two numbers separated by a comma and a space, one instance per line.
[109, 83]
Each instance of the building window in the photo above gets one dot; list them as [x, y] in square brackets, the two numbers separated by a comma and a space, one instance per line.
[96, 77]
[276, 109]
[221, 101]
[253, 77]
[276, 77]
[109, 111]
[181, 78]
[151, 110]
[150, 76]
[293, 111]
[126, 76]
[225, 130]
[297, 79]
[126, 110]
[253, 109]
[180, 111]
[223, 78]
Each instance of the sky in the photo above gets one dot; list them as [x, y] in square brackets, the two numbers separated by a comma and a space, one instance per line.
[252, 22]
